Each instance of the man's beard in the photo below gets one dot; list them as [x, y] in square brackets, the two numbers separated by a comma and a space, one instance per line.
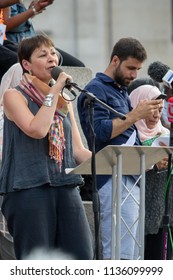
[119, 78]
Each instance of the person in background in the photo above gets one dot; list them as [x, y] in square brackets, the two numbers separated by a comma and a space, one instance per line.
[34, 8]
[8, 55]
[156, 71]
[10, 79]
[8, 51]
[149, 129]
[110, 87]
[19, 26]
[7, 59]
[18, 20]
[41, 203]
[140, 82]
[164, 118]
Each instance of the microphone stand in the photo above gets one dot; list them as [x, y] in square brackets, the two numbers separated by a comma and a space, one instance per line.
[95, 198]
[92, 97]
[165, 223]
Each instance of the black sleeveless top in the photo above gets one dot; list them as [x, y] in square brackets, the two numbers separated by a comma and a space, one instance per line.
[25, 160]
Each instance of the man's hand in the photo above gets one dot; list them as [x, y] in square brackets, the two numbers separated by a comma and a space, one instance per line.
[146, 108]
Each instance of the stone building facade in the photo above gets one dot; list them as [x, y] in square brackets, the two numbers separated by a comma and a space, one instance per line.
[88, 29]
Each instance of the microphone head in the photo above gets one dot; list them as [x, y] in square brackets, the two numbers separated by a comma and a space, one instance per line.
[170, 109]
[55, 72]
[157, 71]
[168, 79]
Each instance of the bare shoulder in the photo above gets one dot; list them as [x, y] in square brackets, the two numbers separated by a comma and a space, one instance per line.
[13, 93]
[12, 96]
[10, 91]
[12, 101]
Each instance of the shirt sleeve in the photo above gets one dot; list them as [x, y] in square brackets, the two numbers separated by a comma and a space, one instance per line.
[102, 120]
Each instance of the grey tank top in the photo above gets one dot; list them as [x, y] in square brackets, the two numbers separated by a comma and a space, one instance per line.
[25, 160]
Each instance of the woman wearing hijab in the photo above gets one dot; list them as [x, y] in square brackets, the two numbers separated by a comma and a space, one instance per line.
[149, 129]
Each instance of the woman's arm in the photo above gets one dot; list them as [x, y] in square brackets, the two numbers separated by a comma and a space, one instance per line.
[14, 21]
[34, 8]
[7, 3]
[16, 109]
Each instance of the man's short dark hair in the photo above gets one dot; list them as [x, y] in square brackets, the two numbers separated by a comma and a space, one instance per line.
[129, 47]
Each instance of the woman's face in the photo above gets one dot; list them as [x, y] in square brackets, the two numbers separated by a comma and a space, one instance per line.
[42, 61]
[152, 121]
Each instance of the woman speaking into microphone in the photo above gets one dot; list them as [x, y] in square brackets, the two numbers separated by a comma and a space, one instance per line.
[41, 203]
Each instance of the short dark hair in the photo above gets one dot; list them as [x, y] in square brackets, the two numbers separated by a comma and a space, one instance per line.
[129, 47]
[28, 45]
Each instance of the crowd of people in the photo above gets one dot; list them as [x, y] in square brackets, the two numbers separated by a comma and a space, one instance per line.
[110, 87]
[43, 208]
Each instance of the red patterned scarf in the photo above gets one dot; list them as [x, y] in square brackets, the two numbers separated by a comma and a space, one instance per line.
[37, 90]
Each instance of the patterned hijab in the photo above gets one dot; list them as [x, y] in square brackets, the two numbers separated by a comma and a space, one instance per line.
[146, 92]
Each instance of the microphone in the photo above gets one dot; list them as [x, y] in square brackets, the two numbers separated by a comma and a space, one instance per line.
[55, 74]
[161, 72]
[157, 70]
[168, 79]
[170, 119]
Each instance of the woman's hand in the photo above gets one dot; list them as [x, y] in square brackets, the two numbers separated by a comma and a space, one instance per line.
[40, 5]
[61, 82]
[163, 164]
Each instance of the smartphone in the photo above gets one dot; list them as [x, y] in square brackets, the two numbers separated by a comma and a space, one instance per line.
[161, 96]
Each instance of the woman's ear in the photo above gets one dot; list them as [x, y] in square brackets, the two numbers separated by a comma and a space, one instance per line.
[26, 65]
